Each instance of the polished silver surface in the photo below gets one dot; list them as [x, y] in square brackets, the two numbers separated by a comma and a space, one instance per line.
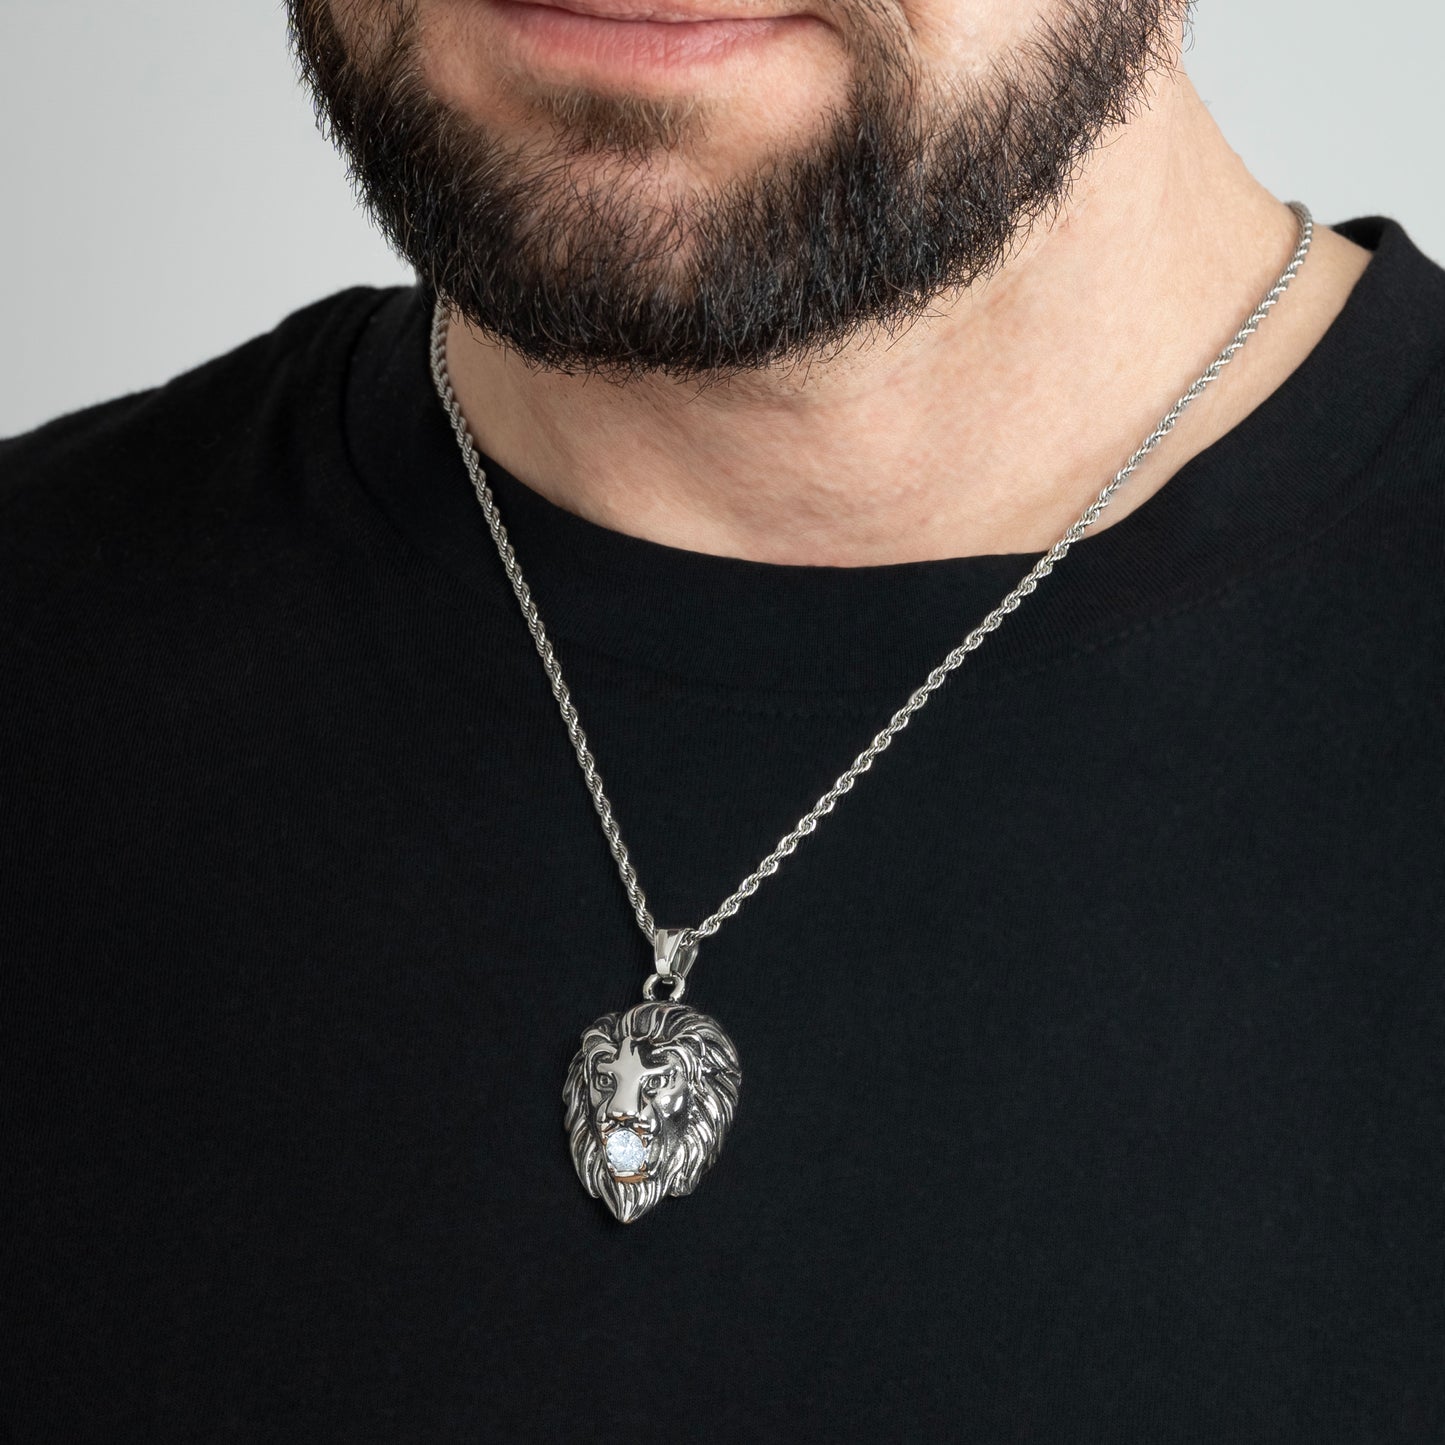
[650, 1096]
[673, 954]
[674, 975]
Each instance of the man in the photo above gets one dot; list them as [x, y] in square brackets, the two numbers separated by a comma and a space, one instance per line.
[1069, 1073]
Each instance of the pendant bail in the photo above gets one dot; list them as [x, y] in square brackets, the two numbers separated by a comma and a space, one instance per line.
[672, 960]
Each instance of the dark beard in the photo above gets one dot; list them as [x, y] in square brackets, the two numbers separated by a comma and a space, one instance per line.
[897, 204]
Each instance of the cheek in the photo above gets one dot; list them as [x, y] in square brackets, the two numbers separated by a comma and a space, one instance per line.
[367, 28]
[671, 1105]
[964, 39]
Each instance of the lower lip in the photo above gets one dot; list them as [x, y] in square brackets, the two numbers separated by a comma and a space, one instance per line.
[594, 44]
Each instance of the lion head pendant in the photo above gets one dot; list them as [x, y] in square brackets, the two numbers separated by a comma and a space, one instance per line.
[650, 1097]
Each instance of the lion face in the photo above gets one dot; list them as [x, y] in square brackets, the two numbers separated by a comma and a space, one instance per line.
[650, 1096]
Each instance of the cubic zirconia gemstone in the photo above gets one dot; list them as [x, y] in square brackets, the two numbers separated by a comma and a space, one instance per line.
[626, 1153]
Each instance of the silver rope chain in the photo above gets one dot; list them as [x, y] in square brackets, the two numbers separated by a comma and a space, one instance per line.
[678, 946]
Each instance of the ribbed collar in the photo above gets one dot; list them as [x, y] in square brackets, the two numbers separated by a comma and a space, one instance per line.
[1290, 468]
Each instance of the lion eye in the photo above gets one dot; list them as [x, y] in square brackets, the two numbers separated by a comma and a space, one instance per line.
[658, 1082]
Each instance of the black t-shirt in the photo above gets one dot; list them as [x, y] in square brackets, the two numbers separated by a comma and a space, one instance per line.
[1092, 1049]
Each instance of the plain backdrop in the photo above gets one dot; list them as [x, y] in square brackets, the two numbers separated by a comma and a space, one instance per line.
[164, 193]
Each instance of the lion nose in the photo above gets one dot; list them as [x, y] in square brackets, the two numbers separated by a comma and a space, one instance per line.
[626, 1102]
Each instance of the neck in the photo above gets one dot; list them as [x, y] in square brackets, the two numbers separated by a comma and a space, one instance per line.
[986, 428]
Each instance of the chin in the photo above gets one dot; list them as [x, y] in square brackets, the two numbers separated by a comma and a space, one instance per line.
[498, 63]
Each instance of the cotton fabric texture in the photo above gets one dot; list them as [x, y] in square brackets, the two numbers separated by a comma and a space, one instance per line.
[1091, 1048]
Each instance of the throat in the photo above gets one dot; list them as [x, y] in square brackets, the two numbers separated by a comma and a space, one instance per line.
[986, 429]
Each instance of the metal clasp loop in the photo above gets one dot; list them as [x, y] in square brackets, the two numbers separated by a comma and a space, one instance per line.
[672, 960]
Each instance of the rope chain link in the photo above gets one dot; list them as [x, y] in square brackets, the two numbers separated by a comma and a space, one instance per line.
[900, 719]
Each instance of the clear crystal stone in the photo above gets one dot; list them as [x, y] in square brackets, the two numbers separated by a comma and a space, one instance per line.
[626, 1153]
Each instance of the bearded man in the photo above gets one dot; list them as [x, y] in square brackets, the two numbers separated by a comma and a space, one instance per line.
[983, 551]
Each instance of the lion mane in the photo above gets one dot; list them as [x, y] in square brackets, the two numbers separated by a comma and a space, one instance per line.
[697, 1045]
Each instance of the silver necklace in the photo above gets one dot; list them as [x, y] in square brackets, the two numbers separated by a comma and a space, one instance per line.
[652, 1090]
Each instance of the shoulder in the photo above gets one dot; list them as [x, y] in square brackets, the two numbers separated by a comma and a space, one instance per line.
[1376, 400]
[158, 471]
[171, 520]
[1407, 350]
[140, 437]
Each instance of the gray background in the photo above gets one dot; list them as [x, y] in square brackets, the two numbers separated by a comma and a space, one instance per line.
[165, 194]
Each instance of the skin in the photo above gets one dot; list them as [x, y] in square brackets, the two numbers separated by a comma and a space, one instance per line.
[987, 427]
